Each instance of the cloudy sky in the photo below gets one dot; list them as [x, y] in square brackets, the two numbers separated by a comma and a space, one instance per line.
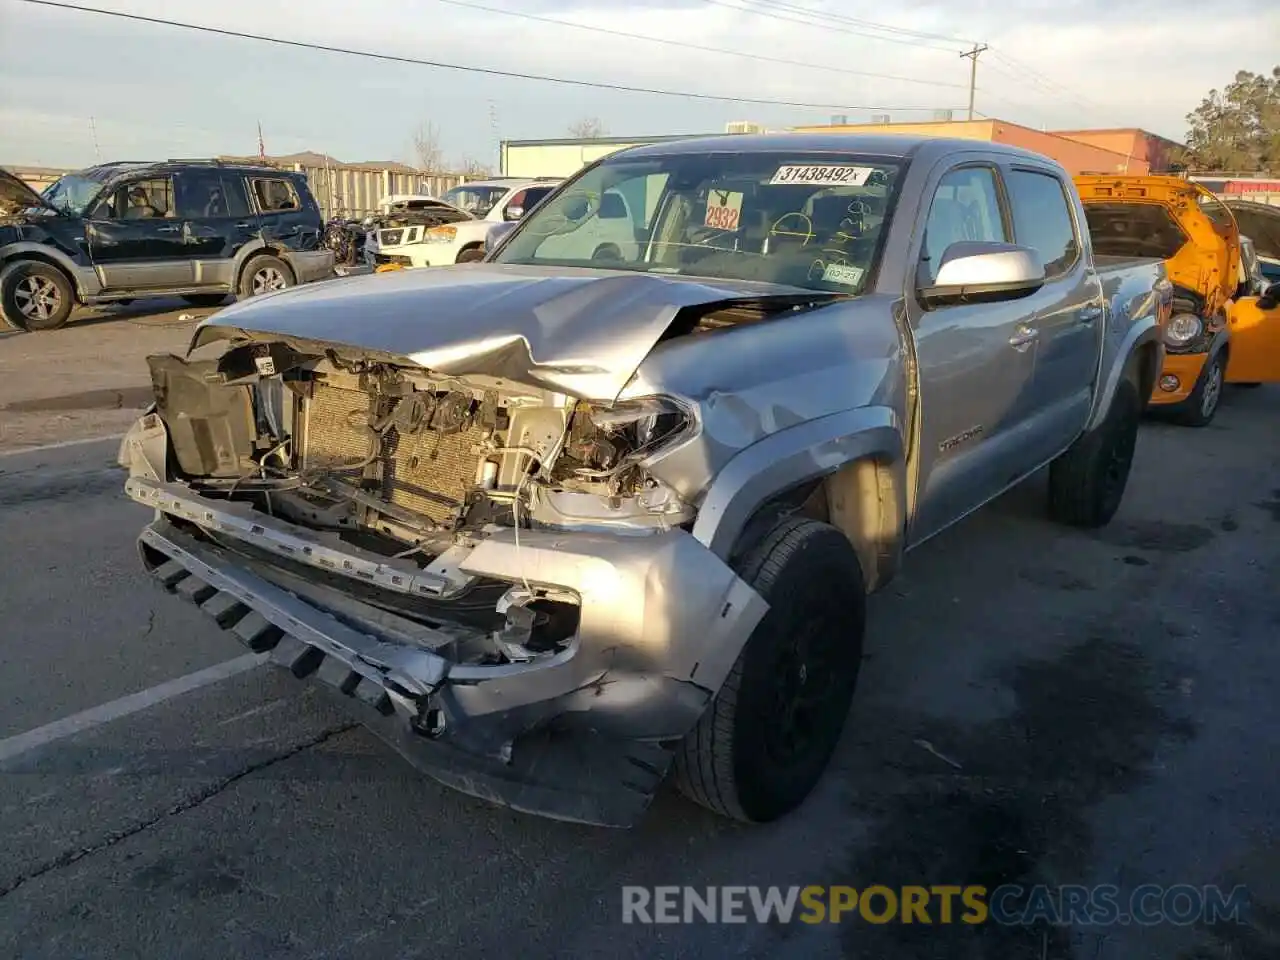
[160, 91]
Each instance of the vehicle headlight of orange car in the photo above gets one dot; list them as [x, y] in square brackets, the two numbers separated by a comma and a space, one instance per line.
[1182, 330]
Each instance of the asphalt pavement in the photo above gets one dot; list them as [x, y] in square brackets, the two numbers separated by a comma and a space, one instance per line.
[1037, 705]
[89, 378]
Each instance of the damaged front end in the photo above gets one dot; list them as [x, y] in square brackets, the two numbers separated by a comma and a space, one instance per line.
[489, 569]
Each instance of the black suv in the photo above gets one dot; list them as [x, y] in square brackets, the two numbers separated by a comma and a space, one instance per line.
[198, 229]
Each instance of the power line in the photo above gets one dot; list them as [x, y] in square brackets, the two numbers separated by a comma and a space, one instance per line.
[818, 18]
[856, 21]
[695, 46]
[831, 26]
[487, 71]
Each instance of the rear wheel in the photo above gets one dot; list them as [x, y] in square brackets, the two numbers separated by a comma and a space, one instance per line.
[264, 274]
[1199, 409]
[763, 743]
[1087, 482]
[35, 296]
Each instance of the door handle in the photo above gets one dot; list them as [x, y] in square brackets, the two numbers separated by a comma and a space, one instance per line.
[1090, 313]
[167, 229]
[1023, 338]
[244, 225]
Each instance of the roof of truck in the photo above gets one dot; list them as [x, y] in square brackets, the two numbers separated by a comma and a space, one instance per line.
[875, 144]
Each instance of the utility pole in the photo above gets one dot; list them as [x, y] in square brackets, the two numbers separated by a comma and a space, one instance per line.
[978, 48]
[497, 133]
[262, 149]
[93, 130]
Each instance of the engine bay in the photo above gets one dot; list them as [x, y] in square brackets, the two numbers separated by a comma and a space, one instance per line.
[405, 462]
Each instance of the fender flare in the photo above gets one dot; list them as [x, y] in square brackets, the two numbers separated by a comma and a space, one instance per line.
[30, 250]
[784, 460]
[1136, 338]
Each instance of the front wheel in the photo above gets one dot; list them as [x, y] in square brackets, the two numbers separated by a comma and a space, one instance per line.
[264, 274]
[764, 742]
[1199, 409]
[35, 296]
[1087, 482]
[470, 255]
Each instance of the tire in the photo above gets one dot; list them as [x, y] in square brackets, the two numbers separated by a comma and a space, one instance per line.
[264, 274]
[205, 299]
[36, 296]
[1087, 482]
[1199, 409]
[470, 255]
[737, 761]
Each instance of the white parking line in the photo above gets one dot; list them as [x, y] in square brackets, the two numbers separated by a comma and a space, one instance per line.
[114, 710]
[59, 446]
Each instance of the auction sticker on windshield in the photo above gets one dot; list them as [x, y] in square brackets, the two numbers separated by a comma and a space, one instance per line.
[827, 175]
[724, 209]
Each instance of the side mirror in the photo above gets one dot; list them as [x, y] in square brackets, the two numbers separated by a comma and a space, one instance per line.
[513, 213]
[496, 233]
[1270, 298]
[981, 271]
[576, 209]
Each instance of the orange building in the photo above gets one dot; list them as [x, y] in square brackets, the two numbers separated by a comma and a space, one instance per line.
[1152, 149]
[1080, 151]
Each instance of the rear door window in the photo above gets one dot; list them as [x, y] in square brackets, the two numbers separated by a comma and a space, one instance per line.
[1042, 220]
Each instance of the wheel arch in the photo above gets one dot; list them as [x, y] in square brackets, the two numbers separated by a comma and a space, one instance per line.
[846, 469]
[12, 256]
[265, 250]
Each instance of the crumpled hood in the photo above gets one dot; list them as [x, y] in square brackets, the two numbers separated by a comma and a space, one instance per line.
[16, 196]
[576, 331]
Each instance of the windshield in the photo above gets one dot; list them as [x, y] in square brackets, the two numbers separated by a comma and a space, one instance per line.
[72, 194]
[475, 200]
[806, 220]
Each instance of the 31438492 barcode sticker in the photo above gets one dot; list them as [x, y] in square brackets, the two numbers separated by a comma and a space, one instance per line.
[724, 209]
[826, 174]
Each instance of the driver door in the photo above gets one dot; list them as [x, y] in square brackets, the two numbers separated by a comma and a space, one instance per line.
[136, 247]
[1254, 323]
[976, 365]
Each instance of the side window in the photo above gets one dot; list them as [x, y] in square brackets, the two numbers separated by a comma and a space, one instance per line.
[1042, 220]
[533, 196]
[275, 194]
[235, 190]
[612, 206]
[201, 195]
[144, 199]
[966, 206]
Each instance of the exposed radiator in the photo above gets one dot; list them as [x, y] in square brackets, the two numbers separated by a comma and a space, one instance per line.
[428, 472]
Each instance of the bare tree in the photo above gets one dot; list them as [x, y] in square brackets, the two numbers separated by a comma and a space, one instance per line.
[426, 148]
[588, 128]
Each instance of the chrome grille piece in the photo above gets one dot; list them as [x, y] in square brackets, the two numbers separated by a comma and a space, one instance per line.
[428, 472]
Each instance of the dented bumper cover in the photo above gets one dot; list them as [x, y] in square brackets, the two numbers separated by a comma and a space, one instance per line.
[581, 734]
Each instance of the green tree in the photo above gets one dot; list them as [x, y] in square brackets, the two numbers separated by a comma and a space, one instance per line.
[1238, 128]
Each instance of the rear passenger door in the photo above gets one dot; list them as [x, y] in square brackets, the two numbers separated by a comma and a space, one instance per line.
[1065, 315]
[976, 369]
[216, 222]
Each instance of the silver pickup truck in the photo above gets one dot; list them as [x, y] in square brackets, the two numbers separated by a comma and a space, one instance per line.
[561, 520]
